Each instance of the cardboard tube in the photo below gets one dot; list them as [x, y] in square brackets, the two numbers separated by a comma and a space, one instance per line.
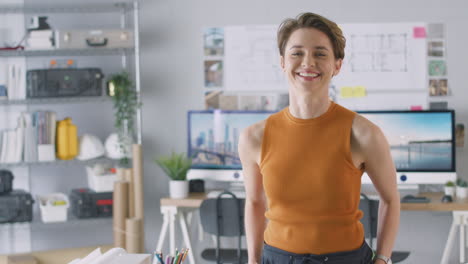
[133, 235]
[138, 188]
[131, 192]
[119, 212]
[138, 180]
[120, 174]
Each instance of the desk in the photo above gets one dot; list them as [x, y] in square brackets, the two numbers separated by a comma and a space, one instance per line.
[459, 209]
[174, 208]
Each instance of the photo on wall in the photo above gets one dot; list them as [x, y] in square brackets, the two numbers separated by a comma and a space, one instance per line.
[212, 99]
[438, 87]
[437, 68]
[213, 73]
[435, 48]
[213, 40]
[460, 135]
[222, 100]
[264, 102]
[219, 100]
[435, 30]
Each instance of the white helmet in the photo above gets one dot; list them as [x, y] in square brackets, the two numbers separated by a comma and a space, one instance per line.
[113, 150]
[90, 147]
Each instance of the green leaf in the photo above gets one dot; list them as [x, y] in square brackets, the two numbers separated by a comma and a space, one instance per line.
[175, 166]
[125, 103]
[450, 184]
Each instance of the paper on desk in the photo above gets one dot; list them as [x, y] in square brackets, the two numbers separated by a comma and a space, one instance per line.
[133, 259]
[114, 256]
[109, 256]
[96, 257]
[91, 256]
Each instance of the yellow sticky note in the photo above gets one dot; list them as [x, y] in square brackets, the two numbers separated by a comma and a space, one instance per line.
[346, 92]
[359, 91]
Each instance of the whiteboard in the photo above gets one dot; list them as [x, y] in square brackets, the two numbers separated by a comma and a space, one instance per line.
[388, 58]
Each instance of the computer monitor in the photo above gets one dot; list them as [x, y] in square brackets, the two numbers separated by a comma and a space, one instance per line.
[422, 144]
[213, 136]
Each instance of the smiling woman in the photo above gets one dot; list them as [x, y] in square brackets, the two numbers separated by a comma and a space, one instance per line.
[309, 62]
[302, 166]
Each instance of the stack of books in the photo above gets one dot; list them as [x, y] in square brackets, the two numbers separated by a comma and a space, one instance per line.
[33, 131]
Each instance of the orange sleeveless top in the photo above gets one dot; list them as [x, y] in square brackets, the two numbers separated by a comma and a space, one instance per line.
[311, 184]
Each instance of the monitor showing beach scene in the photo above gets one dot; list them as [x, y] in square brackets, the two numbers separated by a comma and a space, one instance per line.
[419, 140]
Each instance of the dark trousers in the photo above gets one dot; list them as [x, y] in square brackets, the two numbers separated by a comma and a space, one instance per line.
[272, 255]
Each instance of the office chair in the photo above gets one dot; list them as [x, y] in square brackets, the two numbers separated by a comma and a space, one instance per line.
[224, 217]
[370, 208]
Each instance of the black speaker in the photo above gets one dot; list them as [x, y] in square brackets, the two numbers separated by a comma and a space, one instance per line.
[196, 186]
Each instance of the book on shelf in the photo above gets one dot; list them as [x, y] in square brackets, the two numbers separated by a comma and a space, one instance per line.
[19, 142]
[30, 145]
[3, 155]
[16, 83]
[3, 92]
[34, 134]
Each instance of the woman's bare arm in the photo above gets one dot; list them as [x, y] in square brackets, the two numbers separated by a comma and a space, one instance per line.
[381, 170]
[250, 142]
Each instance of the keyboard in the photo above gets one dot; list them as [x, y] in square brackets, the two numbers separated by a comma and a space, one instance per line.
[415, 199]
[214, 194]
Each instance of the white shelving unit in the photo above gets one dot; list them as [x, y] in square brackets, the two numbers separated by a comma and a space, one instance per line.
[124, 10]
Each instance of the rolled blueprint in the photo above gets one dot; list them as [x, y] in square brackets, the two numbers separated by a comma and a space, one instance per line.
[138, 180]
[134, 235]
[138, 187]
[120, 212]
[120, 174]
[131, 192]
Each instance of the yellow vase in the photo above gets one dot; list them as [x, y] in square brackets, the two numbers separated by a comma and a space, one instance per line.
[67, 139]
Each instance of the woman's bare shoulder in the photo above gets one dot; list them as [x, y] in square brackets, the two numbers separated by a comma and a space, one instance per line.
[365, 131]
[250, 143]
[253, 134]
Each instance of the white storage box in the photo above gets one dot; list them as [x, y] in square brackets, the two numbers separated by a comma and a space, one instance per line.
[53, 207]
[100, 182]
[46, 152]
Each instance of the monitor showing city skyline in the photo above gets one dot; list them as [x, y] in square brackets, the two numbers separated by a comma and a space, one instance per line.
[214, 135]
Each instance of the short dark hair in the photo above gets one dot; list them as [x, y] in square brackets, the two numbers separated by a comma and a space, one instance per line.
[311, 20]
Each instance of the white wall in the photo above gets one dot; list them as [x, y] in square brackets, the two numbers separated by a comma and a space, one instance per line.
[172, 81]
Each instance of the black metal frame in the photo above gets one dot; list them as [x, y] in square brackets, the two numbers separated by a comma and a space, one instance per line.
[218, 225]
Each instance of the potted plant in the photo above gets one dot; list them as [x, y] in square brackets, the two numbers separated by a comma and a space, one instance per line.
[125, 99]
[462, 189]
[176, 167]
[449, 188]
